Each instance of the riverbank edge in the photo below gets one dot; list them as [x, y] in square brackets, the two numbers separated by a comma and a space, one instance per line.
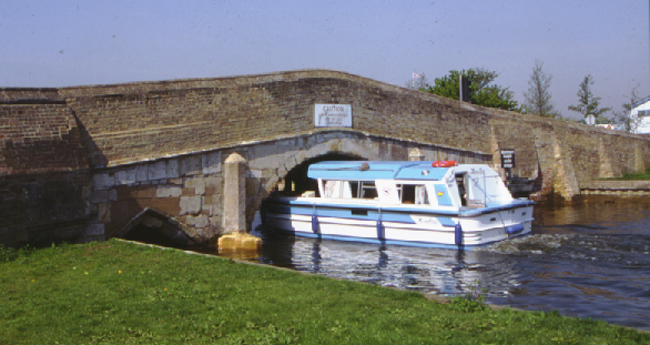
[440, 299]
[119, 292]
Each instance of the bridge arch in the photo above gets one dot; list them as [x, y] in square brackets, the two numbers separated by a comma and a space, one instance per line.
[281, 165]
[296, 180]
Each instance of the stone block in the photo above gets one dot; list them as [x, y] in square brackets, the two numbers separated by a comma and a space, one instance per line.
[112, 195]
[211, 163]
[215, 221]
[165, 169]
[125, 177]
[198, 184]
[214, 181]
[167, 205]
[98, 196]
[94, 230]
[201, 221]
[123, 211]
[146, 192]
[144, 202]
[164, 191]
[187, 191]
[190, 165]
[265, 161]
[254, 174]
[104, 212]
[175, 181]
[142, 173]
[125, 192]
[103, 181]
[211, 205]
[190, 205]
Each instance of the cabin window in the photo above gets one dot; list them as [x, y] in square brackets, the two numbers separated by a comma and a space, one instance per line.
[349, 189]
[471, 190]
[413, 194]
[367, 190]
[337, 189]
[462, 189]
[354, 188]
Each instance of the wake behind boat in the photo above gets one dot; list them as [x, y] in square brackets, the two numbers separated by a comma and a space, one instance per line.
[434, 204]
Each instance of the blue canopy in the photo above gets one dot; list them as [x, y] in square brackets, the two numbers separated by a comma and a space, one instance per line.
[375, 170]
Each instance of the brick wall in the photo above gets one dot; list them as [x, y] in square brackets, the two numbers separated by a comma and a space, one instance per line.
[134, 122]
[44, 177]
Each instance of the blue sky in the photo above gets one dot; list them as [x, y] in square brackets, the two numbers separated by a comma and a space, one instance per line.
[74, 42]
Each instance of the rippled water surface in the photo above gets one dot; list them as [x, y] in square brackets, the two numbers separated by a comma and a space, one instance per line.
[588, 261]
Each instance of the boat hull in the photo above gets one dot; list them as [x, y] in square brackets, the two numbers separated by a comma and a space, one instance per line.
[403, 225]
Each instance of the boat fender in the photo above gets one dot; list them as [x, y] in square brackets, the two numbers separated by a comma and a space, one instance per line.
[380, 230]
[458, 235]
[443, 164]
[514, 229]
[314, 224]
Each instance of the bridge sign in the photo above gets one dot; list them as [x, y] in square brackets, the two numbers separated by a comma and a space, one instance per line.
[333, 115]
[508, 158]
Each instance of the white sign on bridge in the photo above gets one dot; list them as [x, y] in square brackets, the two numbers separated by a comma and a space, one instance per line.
[333, 115]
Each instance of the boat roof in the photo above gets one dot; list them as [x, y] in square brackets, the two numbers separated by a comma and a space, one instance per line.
[376, 170]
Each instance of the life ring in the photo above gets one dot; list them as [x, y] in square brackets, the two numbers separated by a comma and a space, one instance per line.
[443, 164]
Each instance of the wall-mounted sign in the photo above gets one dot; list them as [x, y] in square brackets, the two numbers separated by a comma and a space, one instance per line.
[333, 115]
[508, 158]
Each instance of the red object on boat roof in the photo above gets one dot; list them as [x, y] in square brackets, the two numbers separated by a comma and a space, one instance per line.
[444, 164]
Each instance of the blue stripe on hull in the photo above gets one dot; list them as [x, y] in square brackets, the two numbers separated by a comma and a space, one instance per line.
[346, 213]
[376, 241]
[410, 218]
[465, 212]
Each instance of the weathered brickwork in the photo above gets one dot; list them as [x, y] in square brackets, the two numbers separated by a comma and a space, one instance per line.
[115, 151]
[45, 207]
[39, 138]
[142, 122]
[44, 176]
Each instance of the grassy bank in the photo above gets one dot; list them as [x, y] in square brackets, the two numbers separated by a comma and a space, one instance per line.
[120, 293]
[634, 176]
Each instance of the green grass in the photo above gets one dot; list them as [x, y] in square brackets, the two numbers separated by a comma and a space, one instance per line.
[633, 176]
[121, 293]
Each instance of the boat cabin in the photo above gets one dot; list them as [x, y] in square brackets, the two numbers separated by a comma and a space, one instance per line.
[412, 183]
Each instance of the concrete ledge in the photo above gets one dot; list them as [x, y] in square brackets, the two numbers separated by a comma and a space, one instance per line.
[616, 185]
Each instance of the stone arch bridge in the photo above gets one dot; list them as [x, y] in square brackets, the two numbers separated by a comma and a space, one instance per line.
[93, 162]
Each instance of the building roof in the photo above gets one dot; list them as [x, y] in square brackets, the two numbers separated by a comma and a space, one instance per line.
[638, 103]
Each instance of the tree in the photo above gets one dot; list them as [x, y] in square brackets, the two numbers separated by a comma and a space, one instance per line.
[538, 97]
[481, 90]
[630, 124]
[418, 82]
[588, 103]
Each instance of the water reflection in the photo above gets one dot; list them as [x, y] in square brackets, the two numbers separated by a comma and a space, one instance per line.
[588, 261]
[428, 270]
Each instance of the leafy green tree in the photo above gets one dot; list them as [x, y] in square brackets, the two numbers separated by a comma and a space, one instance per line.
[481, 91]
[588, 104]
[538, 97]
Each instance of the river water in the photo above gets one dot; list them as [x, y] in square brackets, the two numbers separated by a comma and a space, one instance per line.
[588, 261]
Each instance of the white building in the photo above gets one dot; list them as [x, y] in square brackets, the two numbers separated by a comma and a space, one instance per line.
[640, 115]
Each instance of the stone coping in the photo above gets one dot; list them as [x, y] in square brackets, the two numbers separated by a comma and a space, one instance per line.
[616, 185]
